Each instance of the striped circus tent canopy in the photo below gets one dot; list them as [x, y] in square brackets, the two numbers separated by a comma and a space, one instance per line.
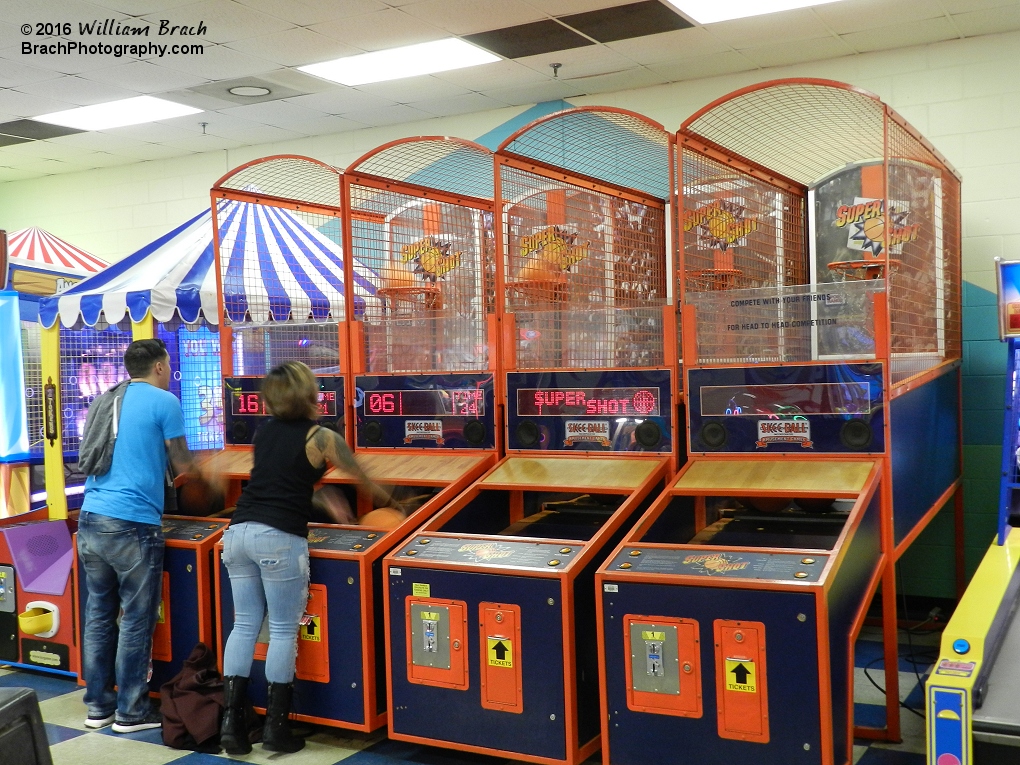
[39, 250]
[277, 268]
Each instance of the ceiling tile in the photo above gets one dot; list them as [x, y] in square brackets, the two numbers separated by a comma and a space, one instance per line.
[464, 17]
[140, 7]
[281, 114]
[670, 46]
[388, 28]
[498, 74]
[225, 21]
[14, 74]
[388, 115]
[99, 142]
[145, 77]
[306, 12]
[465, 104]
[788, 26]
[968, 6]
[340, 100]
[220, 63]
[45, 149]
[631, 79]
[26, 105]
[154, 132]
[76, 90]
[536, 38]
[565, 7]
[858, 15]
[251, 133]
[704, 66]
[550, 90]
[901, 36]
[579, 62]
[8, 174]
[10, 140]
[203, 143]
[804, 50]
[36, 131]
[10, 35]
[153, 151]
[988, 21]
[414, 89]
[68, 63]
[294, 47]
[624, 22]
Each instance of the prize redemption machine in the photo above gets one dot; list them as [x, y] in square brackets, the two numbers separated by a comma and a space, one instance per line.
[821, 349]
[436, 385]
[972, 717]
[489, 608]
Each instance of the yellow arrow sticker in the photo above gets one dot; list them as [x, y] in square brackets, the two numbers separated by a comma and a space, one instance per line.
[501, 653]
[311, 631]
[741, 676]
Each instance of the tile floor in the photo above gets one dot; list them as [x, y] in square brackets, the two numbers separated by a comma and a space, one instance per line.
[72, 744]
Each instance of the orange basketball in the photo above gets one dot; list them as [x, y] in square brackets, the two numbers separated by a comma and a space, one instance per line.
[766, 504]
[537, 269]
[399, 277]
[874, 229]
[382, 518]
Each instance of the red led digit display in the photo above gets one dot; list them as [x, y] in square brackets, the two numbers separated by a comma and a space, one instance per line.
[453, 402]
[251, 404]
[571, 402]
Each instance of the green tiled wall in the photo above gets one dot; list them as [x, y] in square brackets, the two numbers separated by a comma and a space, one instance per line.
[928, 567]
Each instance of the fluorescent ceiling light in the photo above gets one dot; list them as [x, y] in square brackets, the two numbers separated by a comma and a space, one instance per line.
[397, 63]
[129, 111]
[710, 11]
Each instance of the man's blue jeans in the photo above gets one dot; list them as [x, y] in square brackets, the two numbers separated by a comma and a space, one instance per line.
[123, 564]
[267, 567]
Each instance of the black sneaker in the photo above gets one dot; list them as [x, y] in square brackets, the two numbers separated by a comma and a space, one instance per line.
[151, 720]
[100, 722]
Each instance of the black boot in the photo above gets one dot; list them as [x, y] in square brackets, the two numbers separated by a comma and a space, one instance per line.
[276, 736]
[234, 732]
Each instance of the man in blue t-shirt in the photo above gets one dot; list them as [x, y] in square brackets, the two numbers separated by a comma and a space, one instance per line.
[120, 544]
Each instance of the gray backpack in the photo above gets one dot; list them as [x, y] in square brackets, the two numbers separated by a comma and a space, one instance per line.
[95, 453]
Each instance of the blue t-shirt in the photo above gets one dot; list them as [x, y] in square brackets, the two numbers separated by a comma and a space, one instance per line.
[133, 488]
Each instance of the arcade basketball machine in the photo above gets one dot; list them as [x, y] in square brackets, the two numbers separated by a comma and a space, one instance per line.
[820, 281]
[340, 657]
[490, 612]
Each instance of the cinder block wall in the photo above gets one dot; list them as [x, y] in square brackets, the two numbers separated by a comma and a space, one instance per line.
[964, 95]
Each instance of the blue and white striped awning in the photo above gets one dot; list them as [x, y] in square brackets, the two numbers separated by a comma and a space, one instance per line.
[277, 267]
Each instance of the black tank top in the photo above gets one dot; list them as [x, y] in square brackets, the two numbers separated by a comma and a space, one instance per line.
[279, 493]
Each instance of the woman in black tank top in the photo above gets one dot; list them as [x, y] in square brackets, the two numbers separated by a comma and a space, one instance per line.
[265, 549]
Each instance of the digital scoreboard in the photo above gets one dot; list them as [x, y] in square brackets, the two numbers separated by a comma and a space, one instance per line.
[245, 408]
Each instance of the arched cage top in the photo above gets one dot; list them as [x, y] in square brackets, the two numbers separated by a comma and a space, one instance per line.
[802, 129]
[452, 165]
[290, 177]
[611, 145]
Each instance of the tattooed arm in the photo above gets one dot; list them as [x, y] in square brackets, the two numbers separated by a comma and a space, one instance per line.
[183, 461]
[328, 445]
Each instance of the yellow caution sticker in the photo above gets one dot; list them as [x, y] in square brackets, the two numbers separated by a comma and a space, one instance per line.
[501, 652]
[310, 629]
[741, 676]
[420, 590]
[161, 619]
[653, 635]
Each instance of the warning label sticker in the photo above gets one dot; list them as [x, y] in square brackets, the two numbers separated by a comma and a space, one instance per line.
[310, 628]
[501, 652]
[741, 676]
[956, 668]
[420, 590]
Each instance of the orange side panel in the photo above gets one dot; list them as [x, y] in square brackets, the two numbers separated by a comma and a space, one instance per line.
[685, 700]
[556, 207]
[161, 650]
[447, 631]
[740, 682]
[499, 656]
[313, 638]
[432, 214]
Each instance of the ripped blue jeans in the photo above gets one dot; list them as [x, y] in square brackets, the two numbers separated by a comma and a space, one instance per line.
[267, 567]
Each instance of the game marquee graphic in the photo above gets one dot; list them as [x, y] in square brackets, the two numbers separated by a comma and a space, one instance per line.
[715, 563]
[865, 223]
[555, 247]
[784, 432]
[432, 258]
[720, 224]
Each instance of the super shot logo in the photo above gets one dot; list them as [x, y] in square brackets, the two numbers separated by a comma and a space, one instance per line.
[720, 224]
[865, 222]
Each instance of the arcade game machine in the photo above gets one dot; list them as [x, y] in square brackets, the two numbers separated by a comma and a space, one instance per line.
[972, 716]
[823, 427]
[426, 314]
[37, 613]
[489, 607]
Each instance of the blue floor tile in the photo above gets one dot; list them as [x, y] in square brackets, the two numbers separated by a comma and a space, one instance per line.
[198, 758]
[869, 715]
[45, 686]
[875, 756]
[57, 733]
[869, 653]
[388, 752]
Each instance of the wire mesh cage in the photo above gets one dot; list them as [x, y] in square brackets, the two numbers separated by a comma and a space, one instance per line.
[421, 218]
[815, 183]
[31, 359]
[259, 348]
[194, 351]
[585, 252]
[91, 362]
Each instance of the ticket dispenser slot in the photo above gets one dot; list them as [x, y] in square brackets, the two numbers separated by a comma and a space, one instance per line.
[500, 657]
[436, 642]
[161, 649]
[663, 665]
[741, 690]
[313, 638]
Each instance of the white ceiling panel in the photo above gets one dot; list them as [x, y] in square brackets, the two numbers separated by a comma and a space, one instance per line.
[804, 50]
[388, 28]
[498, 74]
[788, 26]
[465, 17]
[969, 6]
[306, 12]
[68, 63]
[988, 21]
[294, 47]
[290, 117]
[154, 151]
[340, 100]
[15, 174]
[704, 66]
[225, 21]
[414, 89]
[566, 7]
[465, 104]
[203, 143]
[250, 133]
[219, 63]
[76, 90]
[388, 115]
[140, 7]
[550, 90]
[145, 77]
[99, 142]
[579, 62]
[26, 105]
[638, 77]
[155, 132]
[670, 46]
[14, 74]
[10, 34]
[918, 33]
[859, 15]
